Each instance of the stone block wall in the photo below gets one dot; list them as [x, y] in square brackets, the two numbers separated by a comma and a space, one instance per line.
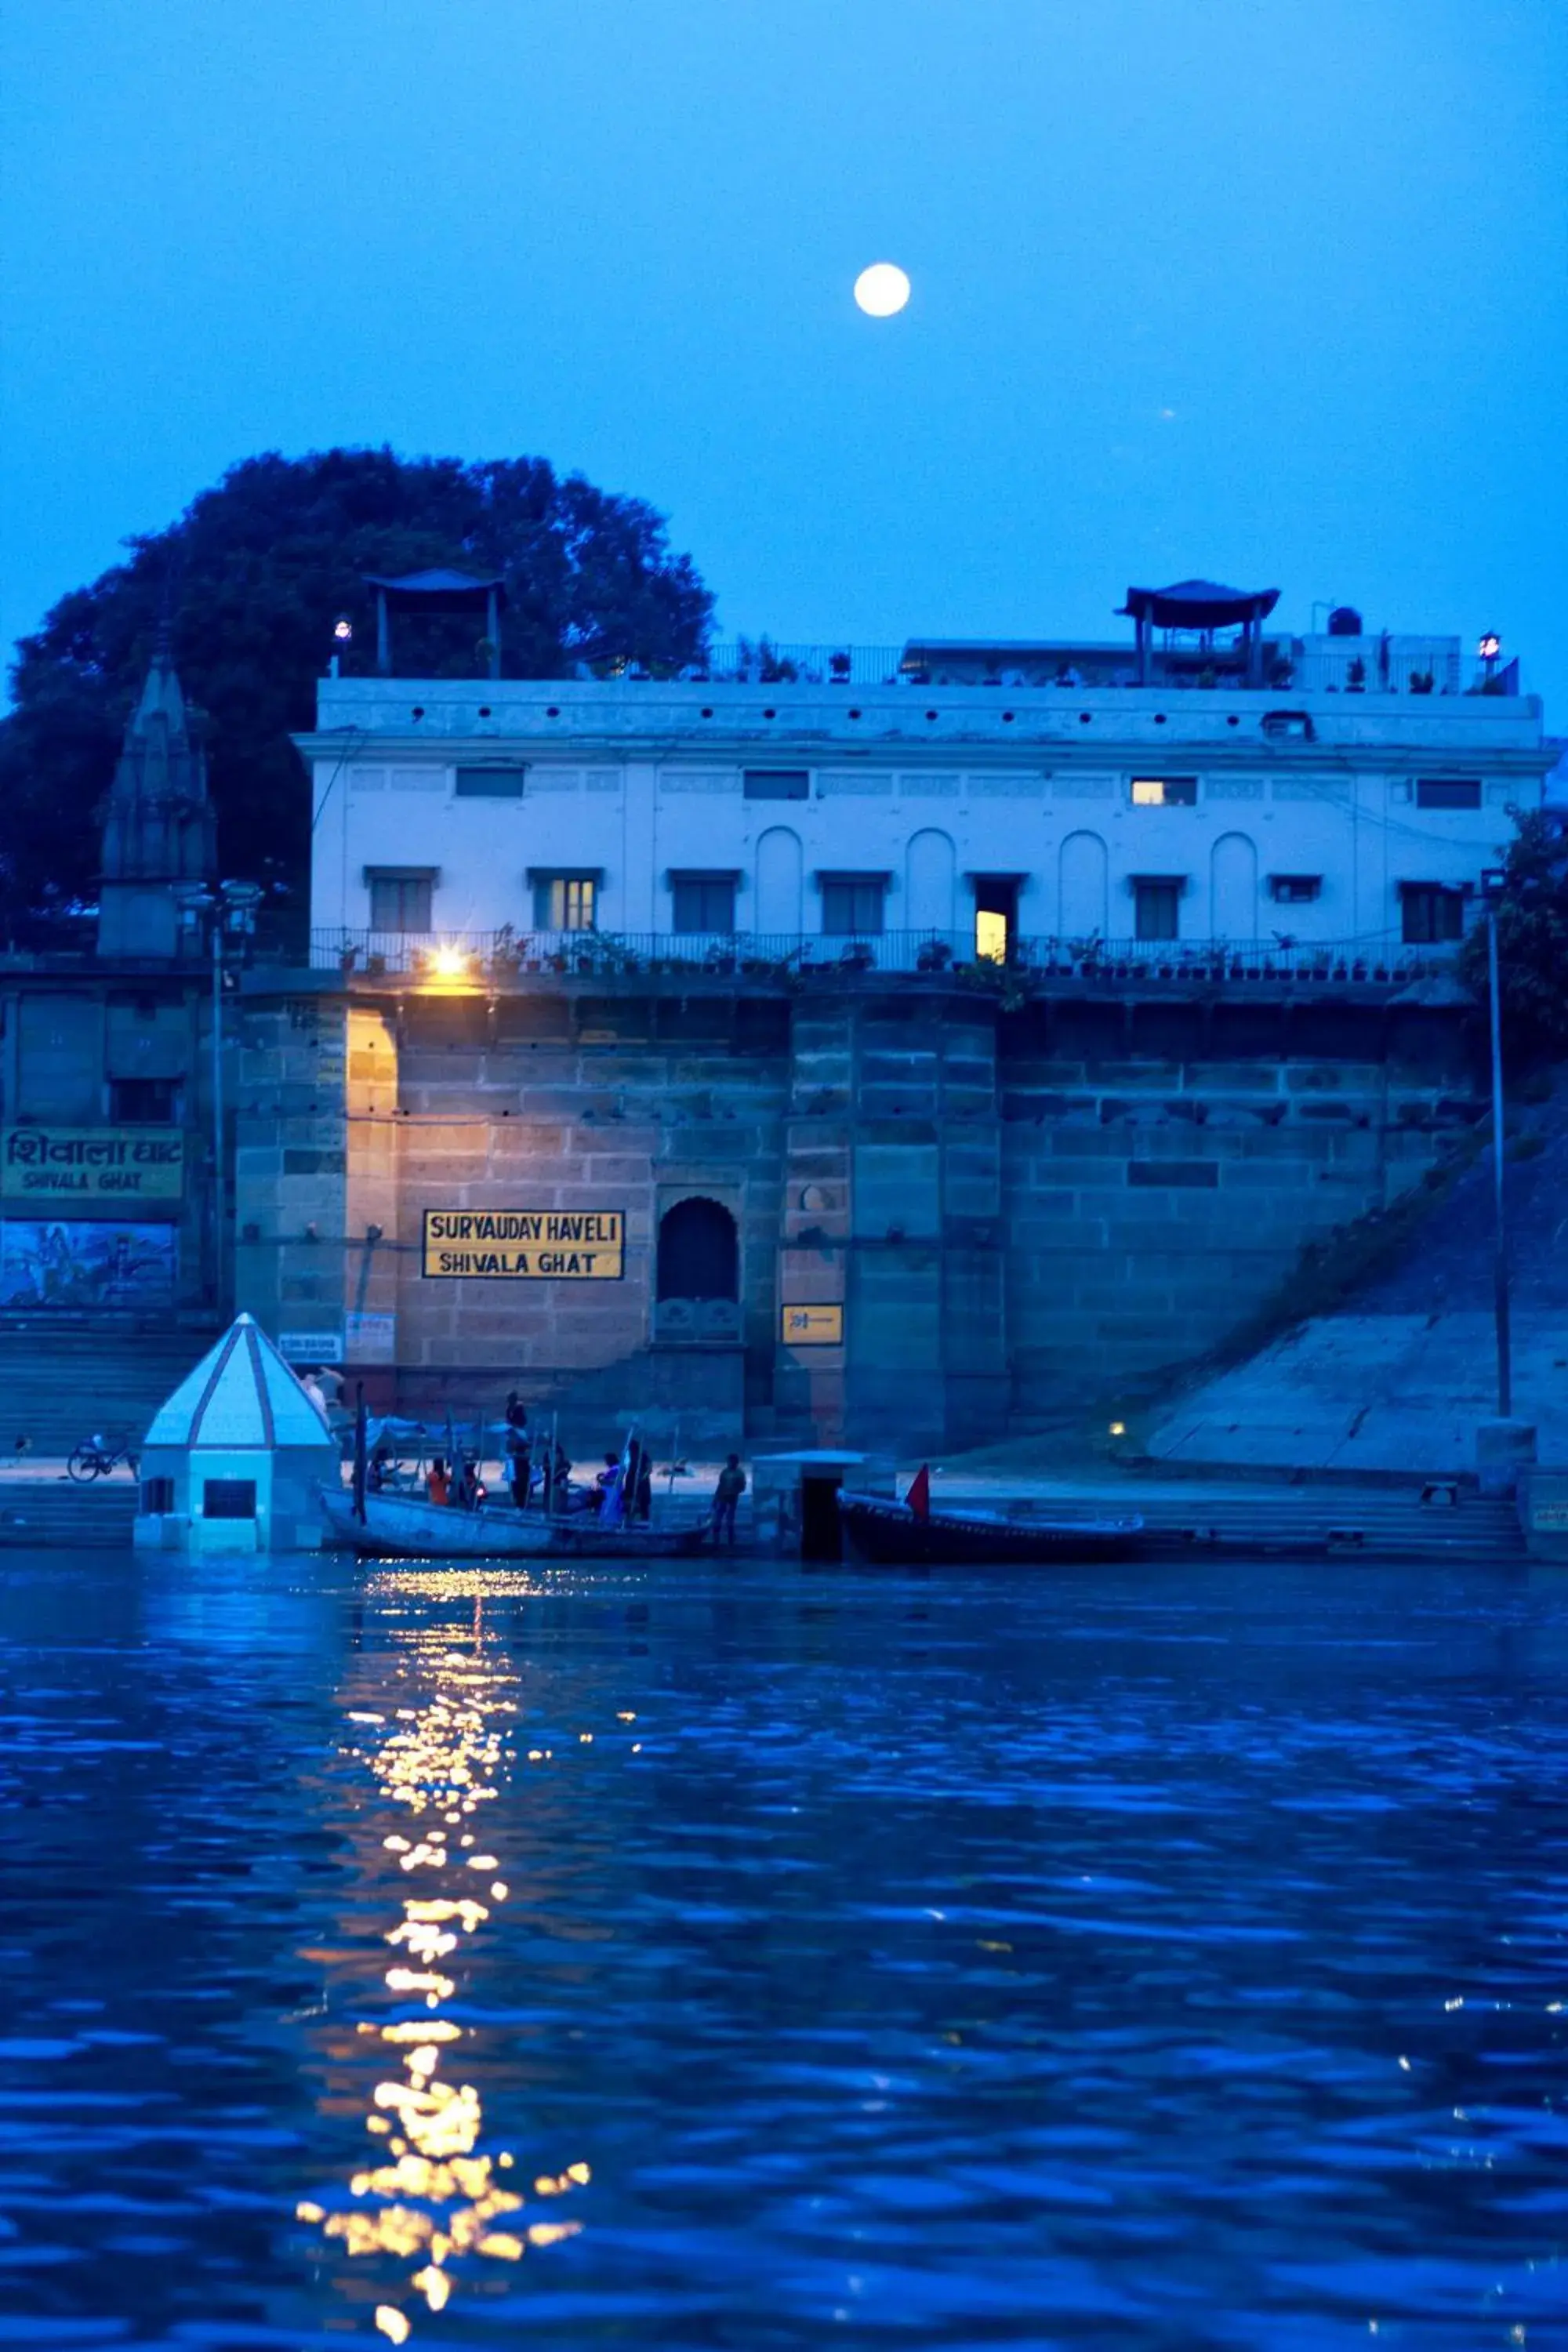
[1014, 1209]
[1152, 1205]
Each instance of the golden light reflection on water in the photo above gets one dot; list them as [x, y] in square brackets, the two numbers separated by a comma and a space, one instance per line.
[433, 2196]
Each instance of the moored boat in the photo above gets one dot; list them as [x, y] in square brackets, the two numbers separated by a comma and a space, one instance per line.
[398, 1525]
[881, 1532]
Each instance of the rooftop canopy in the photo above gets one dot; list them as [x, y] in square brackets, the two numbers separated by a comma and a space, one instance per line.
[242, 1395]
[438, 590]
[1199, 604]
[462, 591]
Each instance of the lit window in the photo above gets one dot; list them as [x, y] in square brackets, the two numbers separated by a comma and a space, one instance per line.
[564, 902]
[703, 902]
[1164, 791]
[852, 905]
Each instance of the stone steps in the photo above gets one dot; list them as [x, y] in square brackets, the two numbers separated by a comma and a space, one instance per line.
[56, 1513]
[56, 1388]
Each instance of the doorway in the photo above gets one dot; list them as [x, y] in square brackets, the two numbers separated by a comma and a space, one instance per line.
[995, 918]
[821, 1538]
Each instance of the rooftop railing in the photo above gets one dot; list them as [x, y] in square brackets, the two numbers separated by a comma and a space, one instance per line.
[1418, 666]
[458, 959]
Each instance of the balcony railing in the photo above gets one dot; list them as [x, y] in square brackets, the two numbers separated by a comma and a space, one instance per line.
[462, 960]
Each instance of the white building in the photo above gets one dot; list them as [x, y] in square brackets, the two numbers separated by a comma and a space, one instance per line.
[944, 799]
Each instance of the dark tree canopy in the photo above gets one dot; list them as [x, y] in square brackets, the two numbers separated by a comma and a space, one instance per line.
[1532, 942]
[255, 574]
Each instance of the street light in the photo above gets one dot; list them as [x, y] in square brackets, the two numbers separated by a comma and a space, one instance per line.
[1491, 891]
[227, 913]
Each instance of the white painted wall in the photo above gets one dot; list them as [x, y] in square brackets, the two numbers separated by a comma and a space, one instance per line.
[927, 784]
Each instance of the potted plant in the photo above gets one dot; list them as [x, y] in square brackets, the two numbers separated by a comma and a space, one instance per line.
[935, 955]
[347, 958]
[1355, 676]
[1422, 681]
[838, 668]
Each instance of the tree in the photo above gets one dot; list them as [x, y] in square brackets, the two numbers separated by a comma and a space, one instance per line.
[1532, 908]
[253, 576]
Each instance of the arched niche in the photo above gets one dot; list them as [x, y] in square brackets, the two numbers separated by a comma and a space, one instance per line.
[1084, 887]
[699, 1255]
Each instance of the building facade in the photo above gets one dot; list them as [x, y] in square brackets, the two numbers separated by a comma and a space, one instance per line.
[934, 815]
[881, 1053]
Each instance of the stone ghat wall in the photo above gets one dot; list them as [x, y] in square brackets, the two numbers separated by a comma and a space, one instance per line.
[1150, 1207]
[1012, 1210]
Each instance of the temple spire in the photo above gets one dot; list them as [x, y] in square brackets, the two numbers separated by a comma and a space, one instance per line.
[159, 825]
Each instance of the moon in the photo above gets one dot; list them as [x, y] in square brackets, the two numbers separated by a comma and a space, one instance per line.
[882, 291]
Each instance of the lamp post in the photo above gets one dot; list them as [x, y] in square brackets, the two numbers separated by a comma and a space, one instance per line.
[1488, 647]
[1491, 886]
[227, 913]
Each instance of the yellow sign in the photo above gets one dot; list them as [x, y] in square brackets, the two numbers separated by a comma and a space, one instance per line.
[813, 1327]
[526, 1244]
[81, 1166]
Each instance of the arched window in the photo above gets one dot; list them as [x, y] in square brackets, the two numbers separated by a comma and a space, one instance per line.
[699, 1252]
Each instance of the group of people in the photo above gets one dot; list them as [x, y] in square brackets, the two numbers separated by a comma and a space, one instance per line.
[549, 1480]
[622, 1490]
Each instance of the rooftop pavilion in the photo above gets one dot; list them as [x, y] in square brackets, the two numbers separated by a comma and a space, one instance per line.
[1196, 635]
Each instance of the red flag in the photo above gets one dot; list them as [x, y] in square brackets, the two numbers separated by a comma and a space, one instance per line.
[919, 1496]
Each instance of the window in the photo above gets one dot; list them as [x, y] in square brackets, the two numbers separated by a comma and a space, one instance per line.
[157, 1495]
[564, 902]
[1156, 900]
[228, 1498]
[1164, 791]
[852, 904]
[1295, 889]
[490, 784]
[144, 1102]
[703, 902]
[1430, 913]
[776, 783]
[400, 897]
[1447, 792]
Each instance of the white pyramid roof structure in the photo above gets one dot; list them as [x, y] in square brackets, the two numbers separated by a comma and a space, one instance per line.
[241, 1397]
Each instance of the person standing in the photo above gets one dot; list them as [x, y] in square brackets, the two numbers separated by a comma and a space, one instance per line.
[726, 1496]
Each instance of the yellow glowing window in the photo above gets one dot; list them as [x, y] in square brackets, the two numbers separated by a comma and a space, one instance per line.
[1164, 791]
[991, 937]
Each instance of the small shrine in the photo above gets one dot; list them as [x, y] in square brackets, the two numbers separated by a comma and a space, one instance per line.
[234, 1459]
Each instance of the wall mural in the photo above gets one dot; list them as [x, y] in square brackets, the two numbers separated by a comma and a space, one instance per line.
[81, 1264]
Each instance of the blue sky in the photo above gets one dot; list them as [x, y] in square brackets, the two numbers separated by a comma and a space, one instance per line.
[1270, 289]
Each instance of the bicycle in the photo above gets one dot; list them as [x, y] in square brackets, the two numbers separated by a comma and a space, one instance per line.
[97, 1456]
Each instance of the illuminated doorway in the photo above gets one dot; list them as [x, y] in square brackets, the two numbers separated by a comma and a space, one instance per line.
[995, 918]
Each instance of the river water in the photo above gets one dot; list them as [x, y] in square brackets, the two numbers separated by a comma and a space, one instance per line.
[744, 1958]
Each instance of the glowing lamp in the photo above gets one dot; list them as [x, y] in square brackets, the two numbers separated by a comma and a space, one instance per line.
[343, 628]
[1118, 1429]
[1490, 646]
[448, 963]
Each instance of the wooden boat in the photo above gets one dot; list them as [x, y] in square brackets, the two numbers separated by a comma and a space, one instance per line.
[881, 1532]
[401, 1526]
